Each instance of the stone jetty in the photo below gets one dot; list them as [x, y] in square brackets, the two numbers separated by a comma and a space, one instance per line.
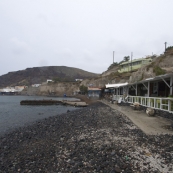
[92, 139]
[53, 102]
[40, 102]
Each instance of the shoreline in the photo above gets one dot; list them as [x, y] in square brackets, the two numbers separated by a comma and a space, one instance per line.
[97, 138]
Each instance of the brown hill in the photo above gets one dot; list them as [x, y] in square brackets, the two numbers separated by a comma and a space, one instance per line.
[38, 75]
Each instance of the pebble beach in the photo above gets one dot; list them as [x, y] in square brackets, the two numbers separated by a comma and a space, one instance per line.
[96, 138]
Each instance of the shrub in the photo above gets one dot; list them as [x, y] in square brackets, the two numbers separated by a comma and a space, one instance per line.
[168, 48]
[113, 65]
[83, 89]
[158, 71]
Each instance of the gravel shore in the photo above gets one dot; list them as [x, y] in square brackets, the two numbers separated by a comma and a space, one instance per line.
[92, 139]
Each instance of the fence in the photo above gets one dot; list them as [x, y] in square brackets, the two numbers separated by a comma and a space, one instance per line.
[165, 104]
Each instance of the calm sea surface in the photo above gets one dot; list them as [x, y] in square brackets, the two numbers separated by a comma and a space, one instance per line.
[13, 115]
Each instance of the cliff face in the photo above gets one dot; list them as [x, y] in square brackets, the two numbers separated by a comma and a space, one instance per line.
[59, 89]
[160, 65]
[53, 89]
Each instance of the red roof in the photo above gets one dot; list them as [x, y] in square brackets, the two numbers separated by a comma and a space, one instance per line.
[93, 88]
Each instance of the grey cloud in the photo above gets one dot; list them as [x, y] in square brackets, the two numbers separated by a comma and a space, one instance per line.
[42, 17]
[19, 46]
[81, 34]
[43, 62]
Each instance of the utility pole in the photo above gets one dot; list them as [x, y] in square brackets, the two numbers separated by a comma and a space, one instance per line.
[165, 46]
[113, 57]
[131, 60]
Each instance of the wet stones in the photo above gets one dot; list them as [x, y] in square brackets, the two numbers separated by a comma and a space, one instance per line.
[91, 139]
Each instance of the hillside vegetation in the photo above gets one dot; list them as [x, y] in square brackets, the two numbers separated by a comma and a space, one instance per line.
[37, 75]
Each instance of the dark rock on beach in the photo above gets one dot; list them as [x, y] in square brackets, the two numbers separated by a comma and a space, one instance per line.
[92, 139]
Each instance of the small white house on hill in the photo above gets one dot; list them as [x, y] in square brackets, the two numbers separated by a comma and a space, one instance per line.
[36, 85]
[78, 80]
[49, 80]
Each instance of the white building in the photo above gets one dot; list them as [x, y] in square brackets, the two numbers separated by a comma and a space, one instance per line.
[49, 80]
[36, 85]
[78, 80]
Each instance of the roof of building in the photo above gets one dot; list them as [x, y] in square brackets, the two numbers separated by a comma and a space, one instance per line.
[93, 89]
[116, 85]
[156, 78]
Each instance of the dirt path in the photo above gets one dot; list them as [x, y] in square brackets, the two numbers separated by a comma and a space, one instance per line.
[149, 125]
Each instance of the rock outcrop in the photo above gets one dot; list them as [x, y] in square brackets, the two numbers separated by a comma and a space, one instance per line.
[53, 89]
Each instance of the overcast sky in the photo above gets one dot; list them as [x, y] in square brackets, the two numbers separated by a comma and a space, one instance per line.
[81, 33]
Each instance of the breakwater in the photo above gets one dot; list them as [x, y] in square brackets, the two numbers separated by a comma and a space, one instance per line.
[41, 102]
[53, 102]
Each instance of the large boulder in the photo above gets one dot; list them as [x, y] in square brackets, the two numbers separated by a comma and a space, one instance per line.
[150, 112]
[136, 106]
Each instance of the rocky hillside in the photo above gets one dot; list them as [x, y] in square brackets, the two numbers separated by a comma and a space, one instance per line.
[53, 89]
[65, 76]
[160, 65]
[38, 75]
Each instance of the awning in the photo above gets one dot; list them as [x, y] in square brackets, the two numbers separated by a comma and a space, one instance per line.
[156, 78]
[116, 85]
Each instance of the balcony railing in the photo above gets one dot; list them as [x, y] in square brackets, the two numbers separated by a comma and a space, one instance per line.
[161, 103]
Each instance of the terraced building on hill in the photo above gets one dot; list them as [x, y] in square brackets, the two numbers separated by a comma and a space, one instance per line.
[134, 64]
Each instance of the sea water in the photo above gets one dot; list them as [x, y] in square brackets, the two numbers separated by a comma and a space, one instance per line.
[13, 115]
